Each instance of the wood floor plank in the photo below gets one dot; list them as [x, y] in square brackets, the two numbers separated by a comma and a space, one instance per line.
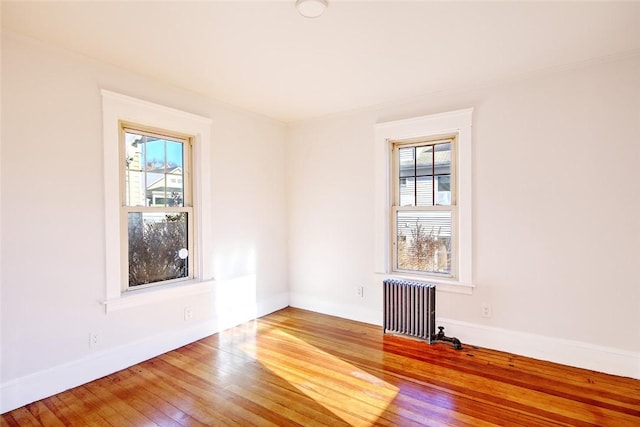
[113, 400]
[44, 415]
[199, 407]
[223, 402]
[299, 368]
[76, 411]
[116, 412]
[22, 417]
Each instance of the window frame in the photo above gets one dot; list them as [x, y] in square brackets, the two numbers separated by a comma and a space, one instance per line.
[458, 123]
[395, 146]
[188, 203]
[117, 109]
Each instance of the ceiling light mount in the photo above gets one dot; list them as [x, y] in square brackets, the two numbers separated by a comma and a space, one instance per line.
[311, 8]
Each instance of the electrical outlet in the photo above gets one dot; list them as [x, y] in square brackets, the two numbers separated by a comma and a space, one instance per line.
[486, 310]
[188, 313]
[94, 339]
[360, 291]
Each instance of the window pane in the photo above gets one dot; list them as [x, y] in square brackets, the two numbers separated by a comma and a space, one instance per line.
[407, 191]
[175, 188]
[158, 247]
[443, 159]
[424, 192]
[424, 159]
[174, 154]
[443, 190]
[156, 191]
[134, 178]
[134, 188]
[424, 241]
[155, 154]
[133, 151]
[407, 161]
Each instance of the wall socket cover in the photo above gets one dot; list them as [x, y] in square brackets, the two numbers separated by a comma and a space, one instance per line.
[486, 310]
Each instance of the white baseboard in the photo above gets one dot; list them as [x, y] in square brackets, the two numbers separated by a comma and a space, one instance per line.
[344, 311]
[39, 385]
[273, 303]
[579, 354]
[566, 352]
[36, 386]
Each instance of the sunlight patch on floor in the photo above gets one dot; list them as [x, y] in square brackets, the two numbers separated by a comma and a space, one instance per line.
[350, 393]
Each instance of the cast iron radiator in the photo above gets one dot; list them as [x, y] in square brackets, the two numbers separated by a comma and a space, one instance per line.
[410, 309]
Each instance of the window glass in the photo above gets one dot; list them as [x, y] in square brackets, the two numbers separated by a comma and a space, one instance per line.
[424, 241]
[443, 195]
[157, 208]
[422, 173]
[423, 224]
[424, 191]
[158, 247]
[407, 161]
[154, 171]
[407, 191]
[442, 155]
[424, 161]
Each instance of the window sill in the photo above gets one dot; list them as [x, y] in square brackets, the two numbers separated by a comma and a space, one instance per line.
[442, 284]
[152, 295]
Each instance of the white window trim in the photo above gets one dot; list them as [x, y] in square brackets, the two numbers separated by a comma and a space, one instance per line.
[458, 122]
[118, 108]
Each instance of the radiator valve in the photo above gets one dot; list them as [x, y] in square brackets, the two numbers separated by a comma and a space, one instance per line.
[440, 336]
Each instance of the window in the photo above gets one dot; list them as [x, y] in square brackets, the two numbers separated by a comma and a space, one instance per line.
[157, 198]
[422, 210]
[157, 207]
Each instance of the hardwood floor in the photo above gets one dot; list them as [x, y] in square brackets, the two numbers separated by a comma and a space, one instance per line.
[296, 367]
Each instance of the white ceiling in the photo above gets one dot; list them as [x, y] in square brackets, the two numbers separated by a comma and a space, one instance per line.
[264, 57]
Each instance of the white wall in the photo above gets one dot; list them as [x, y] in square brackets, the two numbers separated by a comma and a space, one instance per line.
[555, 215]
[53, 268]
[556, 234]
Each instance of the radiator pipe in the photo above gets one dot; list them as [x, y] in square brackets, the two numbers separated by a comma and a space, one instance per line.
[440, 336]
